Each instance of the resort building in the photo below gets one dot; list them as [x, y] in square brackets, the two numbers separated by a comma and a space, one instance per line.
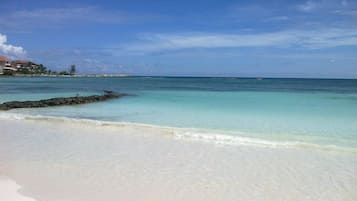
[18, 65]
[4, 64]
[21, 64]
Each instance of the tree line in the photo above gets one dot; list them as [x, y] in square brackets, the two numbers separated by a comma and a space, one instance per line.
[40, 69]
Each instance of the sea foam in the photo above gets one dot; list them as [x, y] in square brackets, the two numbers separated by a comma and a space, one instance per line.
[194, 134]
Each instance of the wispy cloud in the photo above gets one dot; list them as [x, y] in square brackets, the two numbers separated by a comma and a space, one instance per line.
[328, 6]
[277, 19]
[322, 38]
[10, 50]
[308, 6]
[60, 17]
[349, 13]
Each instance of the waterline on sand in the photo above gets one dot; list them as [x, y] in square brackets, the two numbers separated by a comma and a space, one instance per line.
[207, 135]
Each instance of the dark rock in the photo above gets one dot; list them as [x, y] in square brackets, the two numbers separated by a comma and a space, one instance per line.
[61, 101]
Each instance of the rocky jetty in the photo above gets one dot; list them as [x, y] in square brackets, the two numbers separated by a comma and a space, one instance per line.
[60, 101]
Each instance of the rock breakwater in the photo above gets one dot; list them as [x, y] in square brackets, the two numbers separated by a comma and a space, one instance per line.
[61, 101]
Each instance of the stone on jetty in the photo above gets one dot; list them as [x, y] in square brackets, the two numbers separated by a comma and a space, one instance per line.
[60, 101]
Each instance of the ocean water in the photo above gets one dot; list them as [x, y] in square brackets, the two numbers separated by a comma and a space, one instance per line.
[176, 139]
[307, 112]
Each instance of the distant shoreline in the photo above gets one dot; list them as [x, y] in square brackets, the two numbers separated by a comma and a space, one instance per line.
[160, 76]
[69, 76]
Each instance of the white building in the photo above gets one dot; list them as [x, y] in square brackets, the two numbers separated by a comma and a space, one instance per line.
[3, 62]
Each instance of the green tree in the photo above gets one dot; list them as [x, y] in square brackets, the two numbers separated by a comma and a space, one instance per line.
[63, 73]
[24, 71]
[8, 73]
[42, 69]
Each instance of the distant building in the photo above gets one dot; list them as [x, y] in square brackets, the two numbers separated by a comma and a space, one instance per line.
[4, 63]
[19, 66]
[24, 65]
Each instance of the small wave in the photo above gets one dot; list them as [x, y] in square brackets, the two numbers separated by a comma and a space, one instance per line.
[18, 116]
[229, 139]
[223, 138]
[249, 141]
[11, 116]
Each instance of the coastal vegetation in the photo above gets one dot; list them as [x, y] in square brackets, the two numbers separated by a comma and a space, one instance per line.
[42, 70]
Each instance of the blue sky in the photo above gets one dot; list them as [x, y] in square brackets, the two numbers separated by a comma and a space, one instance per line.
[313, 38]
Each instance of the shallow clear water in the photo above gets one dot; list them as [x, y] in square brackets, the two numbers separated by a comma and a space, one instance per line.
[77, 160]
[304, 110]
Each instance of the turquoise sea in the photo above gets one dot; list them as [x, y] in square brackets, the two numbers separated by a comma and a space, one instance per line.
[307, 111]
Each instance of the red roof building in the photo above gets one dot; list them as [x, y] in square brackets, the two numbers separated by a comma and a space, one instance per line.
[4, 59]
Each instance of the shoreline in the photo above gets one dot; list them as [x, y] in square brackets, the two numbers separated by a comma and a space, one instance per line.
[71, 76]
[120, 161]
[211, 136]
[160, 76]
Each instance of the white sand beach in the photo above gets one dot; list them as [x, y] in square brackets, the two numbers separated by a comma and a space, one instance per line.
[9, 191]
[64, 160]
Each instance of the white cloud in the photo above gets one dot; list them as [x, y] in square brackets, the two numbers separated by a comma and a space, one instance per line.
[308, 6]
[10, 50]
[328, 6]
[322, 38]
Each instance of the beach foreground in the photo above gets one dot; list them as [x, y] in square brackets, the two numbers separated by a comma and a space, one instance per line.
[57, 160]
[9, 191]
